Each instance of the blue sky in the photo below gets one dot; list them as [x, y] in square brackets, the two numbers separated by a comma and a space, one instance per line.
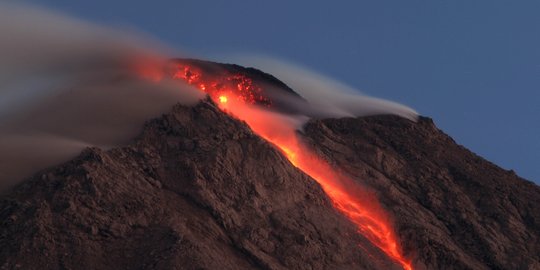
[473, 66]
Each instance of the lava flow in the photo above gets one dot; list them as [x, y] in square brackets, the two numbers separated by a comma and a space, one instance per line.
[238, 85]
[236, 95]
[358, 206]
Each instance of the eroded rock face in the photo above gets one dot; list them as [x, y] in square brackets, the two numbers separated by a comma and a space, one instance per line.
[452, 208]
[196, 190]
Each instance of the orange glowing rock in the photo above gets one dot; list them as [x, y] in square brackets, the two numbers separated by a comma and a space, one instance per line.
[223, 99]
[212, 84]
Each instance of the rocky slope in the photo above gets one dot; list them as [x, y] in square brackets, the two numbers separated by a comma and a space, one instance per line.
[198, 190]
[453, 209]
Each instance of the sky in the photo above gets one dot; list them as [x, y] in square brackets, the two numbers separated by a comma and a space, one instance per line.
[472, 66]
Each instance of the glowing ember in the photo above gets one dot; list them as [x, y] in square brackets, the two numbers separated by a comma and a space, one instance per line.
[356, 204]
[240, 85]
[223, 99]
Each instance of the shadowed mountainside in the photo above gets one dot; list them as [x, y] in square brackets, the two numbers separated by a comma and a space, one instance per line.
[452, 208]
[199, 190]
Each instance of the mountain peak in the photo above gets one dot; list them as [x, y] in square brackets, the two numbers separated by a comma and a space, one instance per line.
[198, 189]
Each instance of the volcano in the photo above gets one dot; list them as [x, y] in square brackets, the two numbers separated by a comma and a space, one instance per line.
[209, 187]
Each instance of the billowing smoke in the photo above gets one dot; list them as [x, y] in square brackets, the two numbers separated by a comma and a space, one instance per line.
[66, 84]
[326, 97]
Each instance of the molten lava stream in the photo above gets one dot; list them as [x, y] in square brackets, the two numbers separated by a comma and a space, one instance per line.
[236, 94]
[357, 205]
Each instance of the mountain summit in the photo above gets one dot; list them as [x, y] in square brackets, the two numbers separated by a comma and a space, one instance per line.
[199, 189]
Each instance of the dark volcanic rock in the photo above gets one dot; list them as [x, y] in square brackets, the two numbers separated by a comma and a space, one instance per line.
[258, 76]
[452, 208]
[196, 190]
[275, 94]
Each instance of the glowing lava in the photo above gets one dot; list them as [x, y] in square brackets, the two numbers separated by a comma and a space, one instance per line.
[223, 99]
[236, 94]
[238, 85]
[357, 205]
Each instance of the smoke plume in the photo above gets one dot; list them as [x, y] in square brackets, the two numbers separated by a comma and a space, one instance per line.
[325, 97]
[66, 84]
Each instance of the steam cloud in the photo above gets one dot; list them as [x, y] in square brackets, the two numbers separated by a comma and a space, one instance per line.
[66, 84]
[326, 97]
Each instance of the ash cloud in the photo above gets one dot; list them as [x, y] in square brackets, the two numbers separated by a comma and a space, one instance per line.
[66, 84]
[326, 98]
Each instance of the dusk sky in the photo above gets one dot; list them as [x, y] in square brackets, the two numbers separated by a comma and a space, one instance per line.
[473, 66]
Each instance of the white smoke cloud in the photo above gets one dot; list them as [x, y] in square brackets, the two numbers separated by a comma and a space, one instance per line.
[326, 97]
[66, 84]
